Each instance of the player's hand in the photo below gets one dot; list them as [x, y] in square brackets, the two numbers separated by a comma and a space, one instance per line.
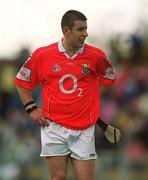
[39, 118]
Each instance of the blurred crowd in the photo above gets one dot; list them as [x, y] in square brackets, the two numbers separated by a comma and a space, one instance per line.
[124, 105]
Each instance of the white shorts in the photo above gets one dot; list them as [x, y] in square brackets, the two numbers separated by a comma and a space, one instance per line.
[58, 141]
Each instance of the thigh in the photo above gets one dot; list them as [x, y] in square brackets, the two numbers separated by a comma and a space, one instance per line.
[82, 146]
[53, 141]
[57, 167]
[84, 169]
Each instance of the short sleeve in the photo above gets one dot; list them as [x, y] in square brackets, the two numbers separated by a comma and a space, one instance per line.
[105, 70]
[30, 74]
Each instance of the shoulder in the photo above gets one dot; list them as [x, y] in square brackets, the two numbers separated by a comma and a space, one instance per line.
[94, 50]
[45, 49]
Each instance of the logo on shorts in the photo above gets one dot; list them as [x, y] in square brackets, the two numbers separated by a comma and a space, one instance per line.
[92, 155]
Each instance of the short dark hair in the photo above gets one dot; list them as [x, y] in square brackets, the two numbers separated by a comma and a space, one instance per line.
[70, 16]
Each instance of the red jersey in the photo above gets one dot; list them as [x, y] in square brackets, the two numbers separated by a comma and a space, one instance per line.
[70, 94]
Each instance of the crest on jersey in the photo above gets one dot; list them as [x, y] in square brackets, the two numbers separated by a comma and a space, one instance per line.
[85, 68]
[56, 68]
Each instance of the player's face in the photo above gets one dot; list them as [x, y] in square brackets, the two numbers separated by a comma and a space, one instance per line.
[77, 35]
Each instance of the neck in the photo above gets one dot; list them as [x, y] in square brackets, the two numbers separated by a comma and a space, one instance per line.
[68, 47]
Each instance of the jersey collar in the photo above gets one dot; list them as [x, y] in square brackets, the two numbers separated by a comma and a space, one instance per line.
[62, 49]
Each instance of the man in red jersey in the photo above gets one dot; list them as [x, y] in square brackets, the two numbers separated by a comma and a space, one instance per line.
[70, 72]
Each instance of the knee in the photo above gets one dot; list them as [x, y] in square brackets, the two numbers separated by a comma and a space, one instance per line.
[59, 177]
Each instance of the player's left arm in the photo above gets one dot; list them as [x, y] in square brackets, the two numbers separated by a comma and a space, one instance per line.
[106, 77]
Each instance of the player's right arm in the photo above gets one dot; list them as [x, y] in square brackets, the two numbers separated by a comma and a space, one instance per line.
[28, 77]
[36, 114]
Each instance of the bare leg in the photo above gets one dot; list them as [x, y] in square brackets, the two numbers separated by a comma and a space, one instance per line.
[57, 167]
[84, 169]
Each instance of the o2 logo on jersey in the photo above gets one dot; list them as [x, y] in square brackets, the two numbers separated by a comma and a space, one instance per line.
[74, 87]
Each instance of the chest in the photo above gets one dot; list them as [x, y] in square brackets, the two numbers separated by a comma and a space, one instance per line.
[55, 66]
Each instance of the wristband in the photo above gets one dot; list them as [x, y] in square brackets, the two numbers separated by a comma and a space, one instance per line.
[30, 106]
[29, 110]
[28, 103]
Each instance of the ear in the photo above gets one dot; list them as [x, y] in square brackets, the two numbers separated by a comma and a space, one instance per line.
[66, 30]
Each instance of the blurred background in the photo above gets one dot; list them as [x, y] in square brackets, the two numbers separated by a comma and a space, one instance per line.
[120, 28]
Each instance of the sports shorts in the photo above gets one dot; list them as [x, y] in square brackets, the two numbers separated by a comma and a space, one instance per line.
[57, 140]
